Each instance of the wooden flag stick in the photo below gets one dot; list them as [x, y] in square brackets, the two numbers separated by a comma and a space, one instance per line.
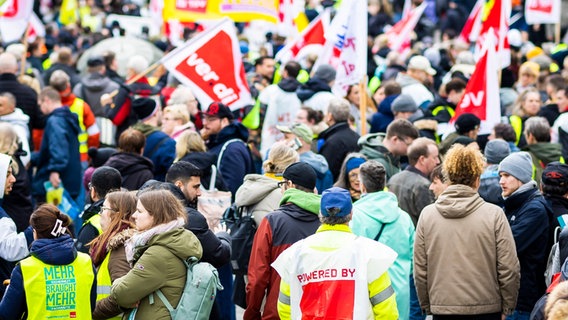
[137, 77]
[25, 53]
[363, 104]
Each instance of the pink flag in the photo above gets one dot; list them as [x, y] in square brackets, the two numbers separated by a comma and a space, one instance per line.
[212, 66]
[472, 26]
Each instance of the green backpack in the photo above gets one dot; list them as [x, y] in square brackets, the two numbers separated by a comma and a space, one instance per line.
[199, 293]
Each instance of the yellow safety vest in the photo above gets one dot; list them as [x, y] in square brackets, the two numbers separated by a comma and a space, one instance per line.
[104, 282]
[517, 124]
[95, 221]
[58, 292]
[77, 108]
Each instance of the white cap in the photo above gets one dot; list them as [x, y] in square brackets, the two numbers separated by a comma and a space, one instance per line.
[421, 63]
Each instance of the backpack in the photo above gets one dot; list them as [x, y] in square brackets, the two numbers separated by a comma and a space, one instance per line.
[243, 228]
[198, 294]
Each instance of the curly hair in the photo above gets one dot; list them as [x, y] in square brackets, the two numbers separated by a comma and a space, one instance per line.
[557, 303]
[463, 165]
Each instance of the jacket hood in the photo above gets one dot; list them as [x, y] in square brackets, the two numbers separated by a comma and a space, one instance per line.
[95, 82]
[235, 130]
[311, 87]
[18, 117]
[385, 105]
[289, 84]
[128, 163]
[372, 145]
[316, 161]
[406, 80]
[180, 242]
[546, 152]
[146, 129]
[57, 251]
[307, 201]
[458, 201]
[65, 114]
[387, 212]
[255, 187]
[120, 238]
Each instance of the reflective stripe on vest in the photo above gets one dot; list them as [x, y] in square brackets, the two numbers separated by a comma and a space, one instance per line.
[104, 282]
[517, 124]
[95, 221]
[77, 108]
[58, 292]
[436, 110]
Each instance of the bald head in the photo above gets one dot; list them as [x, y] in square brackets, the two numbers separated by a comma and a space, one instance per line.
[8, 63]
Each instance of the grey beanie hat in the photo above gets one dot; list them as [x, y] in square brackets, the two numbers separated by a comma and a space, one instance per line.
[519, 165]
[325, 72]
[496, 150]
[403, 103]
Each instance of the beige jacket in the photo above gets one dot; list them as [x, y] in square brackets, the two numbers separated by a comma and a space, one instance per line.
[465, 260]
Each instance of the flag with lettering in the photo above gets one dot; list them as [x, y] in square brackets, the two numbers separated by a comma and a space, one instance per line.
[472, 27]
[542, 11]
[14, 17]
[481, 95]
[495, 17]
[311, 40]
[37, 29]
[212, 66]
[346, 45]
[399, 34]
[239, 11]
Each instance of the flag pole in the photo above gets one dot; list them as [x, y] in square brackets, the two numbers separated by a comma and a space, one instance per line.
[557, 33]
[25, 53]
[363, 104]
[137, 77]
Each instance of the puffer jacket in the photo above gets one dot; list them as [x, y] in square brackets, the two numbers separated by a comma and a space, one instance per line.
[372, 147]
[260, 194]
[460, 234]
[157, 265]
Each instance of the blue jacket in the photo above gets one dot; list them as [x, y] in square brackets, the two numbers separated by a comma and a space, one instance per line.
[58, 251]
[236, 161]
[384, 116]
[159, 148]
[59, 152]
[370, 213]
[528, 215]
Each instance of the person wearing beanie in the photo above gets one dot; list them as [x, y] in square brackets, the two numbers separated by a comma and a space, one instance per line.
[528, 215]
[495, 151]
[295, 219]
[403, 107]
[467, 124]
[316, 92]
[542, 151]
[334, 261]
[160, 148]
[349, 175]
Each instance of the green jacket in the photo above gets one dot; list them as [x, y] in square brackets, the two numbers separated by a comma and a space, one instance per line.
[157, 265]
[372, 147]
[305, 200]
[543, 153]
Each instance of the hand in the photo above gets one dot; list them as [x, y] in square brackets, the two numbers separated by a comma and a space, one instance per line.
[54, 179]
[106, 99]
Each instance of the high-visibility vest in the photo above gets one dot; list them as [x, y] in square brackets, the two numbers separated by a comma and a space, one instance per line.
[517, 124]
[95, 221]
[104, 282]
[58, 292]
[77, 108]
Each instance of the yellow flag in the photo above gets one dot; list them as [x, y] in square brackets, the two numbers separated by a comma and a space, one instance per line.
[252, 119]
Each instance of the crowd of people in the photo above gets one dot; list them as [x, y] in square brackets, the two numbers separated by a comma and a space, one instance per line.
[423, 215]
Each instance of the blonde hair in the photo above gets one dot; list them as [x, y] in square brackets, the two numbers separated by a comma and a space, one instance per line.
[279, 158]
[518, 109]
[463, 165]
[557, 303]
[9, 141]
[178, 111]
[189, 141]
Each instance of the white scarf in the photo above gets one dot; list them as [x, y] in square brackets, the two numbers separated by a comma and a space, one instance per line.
[141, 238]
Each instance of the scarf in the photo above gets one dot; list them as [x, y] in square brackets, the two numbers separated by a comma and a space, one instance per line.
[141, 239]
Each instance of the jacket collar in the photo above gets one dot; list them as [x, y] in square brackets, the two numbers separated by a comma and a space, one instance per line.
[337, 227]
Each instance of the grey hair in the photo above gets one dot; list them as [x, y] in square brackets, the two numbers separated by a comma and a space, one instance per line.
[137, 64]
[331, 220]
[539, 128]
[339, 109]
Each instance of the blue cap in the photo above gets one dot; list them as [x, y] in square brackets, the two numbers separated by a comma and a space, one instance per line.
[336, 202]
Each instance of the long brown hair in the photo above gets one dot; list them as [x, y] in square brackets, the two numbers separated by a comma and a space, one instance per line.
[44, 221]
[122, 205]
[162, 205]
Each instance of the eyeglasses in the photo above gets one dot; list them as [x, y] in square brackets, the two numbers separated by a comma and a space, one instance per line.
[404, 140]
[106, 208]
[281, 183]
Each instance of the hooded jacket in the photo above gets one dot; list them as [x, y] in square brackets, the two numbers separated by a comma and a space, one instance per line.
[92, 87]
[160, 149]
[460, 234]
[543, 153]
[414, 88]
[384, 116]
[157, 265]
[295, 219]
[134, 169]
[338, 141]
[260, 194]
[59, 152]
[237, 159]
[373, 148]
[380, 210]
[58, 251]
[528, 215]
[316, 94]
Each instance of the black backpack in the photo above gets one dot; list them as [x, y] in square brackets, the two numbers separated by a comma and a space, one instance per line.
[243, 228]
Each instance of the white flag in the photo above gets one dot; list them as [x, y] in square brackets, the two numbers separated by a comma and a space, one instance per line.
[542, 11]
[14, 16]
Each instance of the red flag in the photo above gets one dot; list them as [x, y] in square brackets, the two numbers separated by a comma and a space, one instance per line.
[311, 39]
[399, 34]
[481, 95]
[211, 65]
[496, 18]
[472, 26]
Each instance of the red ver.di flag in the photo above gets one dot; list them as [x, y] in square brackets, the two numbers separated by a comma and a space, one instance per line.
[482, 91]
[542, 11]
[212, 66]
[495, 20]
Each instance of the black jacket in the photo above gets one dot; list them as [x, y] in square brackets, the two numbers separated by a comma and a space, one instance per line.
[71, 72]
[26, 99]
[528, 215]
[18, 204]
[216, 247]
[338, 141]
[88, 232]
[204, 160]
[134, 168]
